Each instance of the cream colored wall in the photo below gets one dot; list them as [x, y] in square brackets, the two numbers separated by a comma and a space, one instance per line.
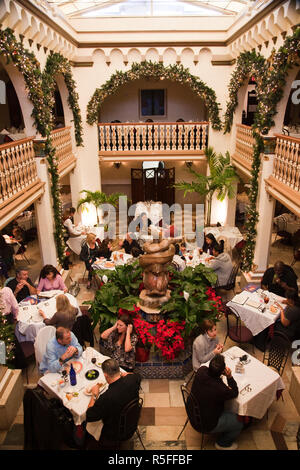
[180, 103]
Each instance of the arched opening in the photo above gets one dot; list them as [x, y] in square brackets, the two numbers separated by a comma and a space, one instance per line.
[250, 103]
[292, 112]
[58, 110]
[11, 117]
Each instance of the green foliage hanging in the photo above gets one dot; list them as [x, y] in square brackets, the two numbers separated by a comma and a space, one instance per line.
[270, 76]
[40, 88]
[155, 71]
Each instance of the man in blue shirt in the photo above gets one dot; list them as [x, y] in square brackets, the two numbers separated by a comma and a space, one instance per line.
[60, 349]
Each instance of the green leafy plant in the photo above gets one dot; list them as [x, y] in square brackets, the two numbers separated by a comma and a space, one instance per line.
[120, 292]
[221, 179]
[98, 198]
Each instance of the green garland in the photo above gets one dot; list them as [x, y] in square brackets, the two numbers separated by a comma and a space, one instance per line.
[270, 76]
[40, 87]
[155, 71]
[7, 334]
[55, 64]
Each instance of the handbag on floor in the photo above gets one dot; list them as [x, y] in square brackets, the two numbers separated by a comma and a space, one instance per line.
[74, 288]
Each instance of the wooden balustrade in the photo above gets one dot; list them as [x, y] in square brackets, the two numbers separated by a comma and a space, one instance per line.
[187, 137]
[287, 161]
[18, 170]
[244, 146]
[61, 140]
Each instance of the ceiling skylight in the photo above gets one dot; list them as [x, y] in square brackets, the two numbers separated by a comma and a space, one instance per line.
[130, 8]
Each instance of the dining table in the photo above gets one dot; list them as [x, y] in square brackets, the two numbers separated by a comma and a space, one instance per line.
[258, 384]
[76, 398]
[254, 312]
[29, 319]
[232, 234]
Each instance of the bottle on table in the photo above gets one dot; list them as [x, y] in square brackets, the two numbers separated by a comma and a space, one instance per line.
[73, 380]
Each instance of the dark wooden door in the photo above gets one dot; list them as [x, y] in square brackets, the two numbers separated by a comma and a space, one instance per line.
[153, 184]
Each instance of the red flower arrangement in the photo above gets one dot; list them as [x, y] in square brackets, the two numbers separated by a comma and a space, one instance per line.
[142, 327]
[168, 338]
[132, 313]
[215, 301]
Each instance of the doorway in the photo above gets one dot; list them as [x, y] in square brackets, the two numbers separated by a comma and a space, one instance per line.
[153, 184]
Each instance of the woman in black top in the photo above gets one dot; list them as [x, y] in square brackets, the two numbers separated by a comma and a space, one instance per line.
[289, 322]
[89, 253]
[209, 242]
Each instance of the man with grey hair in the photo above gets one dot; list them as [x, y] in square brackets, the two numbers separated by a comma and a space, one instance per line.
[122, 388]
[21, 285]
[59, 350]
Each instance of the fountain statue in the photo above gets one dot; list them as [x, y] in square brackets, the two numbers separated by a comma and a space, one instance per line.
[155, 276]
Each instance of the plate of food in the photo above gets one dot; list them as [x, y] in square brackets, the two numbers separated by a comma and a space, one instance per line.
[92, 374]
[109, 265]
[72, 395]
[273, 309]
[77, 366]
[88, 390]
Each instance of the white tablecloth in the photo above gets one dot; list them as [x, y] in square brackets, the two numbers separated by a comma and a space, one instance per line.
[27, 221]
[232, 234]
[264, 383]
[255, 319]
[79, 405]
[29, 328]
[14, 244]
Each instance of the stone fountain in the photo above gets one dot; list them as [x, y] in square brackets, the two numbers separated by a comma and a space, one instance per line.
[155, 276]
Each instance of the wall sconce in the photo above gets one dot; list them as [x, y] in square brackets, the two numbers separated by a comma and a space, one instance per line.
[117, 165]
[189, 164]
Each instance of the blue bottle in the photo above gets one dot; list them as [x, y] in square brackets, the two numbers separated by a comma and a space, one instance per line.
[73, 380]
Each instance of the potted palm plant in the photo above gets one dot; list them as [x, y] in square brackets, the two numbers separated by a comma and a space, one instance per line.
[221, 179]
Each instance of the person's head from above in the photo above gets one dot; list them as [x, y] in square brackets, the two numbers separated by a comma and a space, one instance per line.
[111, 370]
[66, 214]
[49, 272]
[144, 217]
[216, 366]
[210, 239]
[209, 327]
[182, 247]
[63, 336]
[129, 236]
[279, 268]
[72, 210]
[91, 238]
[135, 252]
[292, 298]
[123, 322]
[180, 120]
[216, 249]
[149, 120]
[22, 274]
[63, 304]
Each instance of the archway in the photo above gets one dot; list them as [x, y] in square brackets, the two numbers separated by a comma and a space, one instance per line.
[155, 71]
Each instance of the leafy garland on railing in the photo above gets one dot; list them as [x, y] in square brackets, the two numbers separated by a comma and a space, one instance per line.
[155, 71]
[55, 64]
[39, 87]
[271, 79]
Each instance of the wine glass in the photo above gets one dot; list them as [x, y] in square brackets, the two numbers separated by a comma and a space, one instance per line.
[94, 360]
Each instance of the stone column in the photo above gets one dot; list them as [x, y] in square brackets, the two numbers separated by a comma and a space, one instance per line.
[44, 217]
[265, 207]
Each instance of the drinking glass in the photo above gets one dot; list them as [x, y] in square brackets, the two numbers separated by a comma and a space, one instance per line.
[93, 360]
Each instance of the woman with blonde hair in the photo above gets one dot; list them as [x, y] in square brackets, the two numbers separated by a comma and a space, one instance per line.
[90, 251]
[65, 315]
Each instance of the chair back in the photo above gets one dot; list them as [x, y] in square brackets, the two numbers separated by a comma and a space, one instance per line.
[192, 409]
[232, 278]
[41, 341]
[277, 352]
[7, 281]
[129, 418]
[83, 330]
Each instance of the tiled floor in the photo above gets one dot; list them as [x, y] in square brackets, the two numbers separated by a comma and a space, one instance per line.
[163, 414]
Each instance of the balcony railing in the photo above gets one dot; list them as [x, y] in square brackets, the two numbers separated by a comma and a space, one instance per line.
[61, 140]
[243, 154]
[18, 174]
[143, 138]
[287, 161]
